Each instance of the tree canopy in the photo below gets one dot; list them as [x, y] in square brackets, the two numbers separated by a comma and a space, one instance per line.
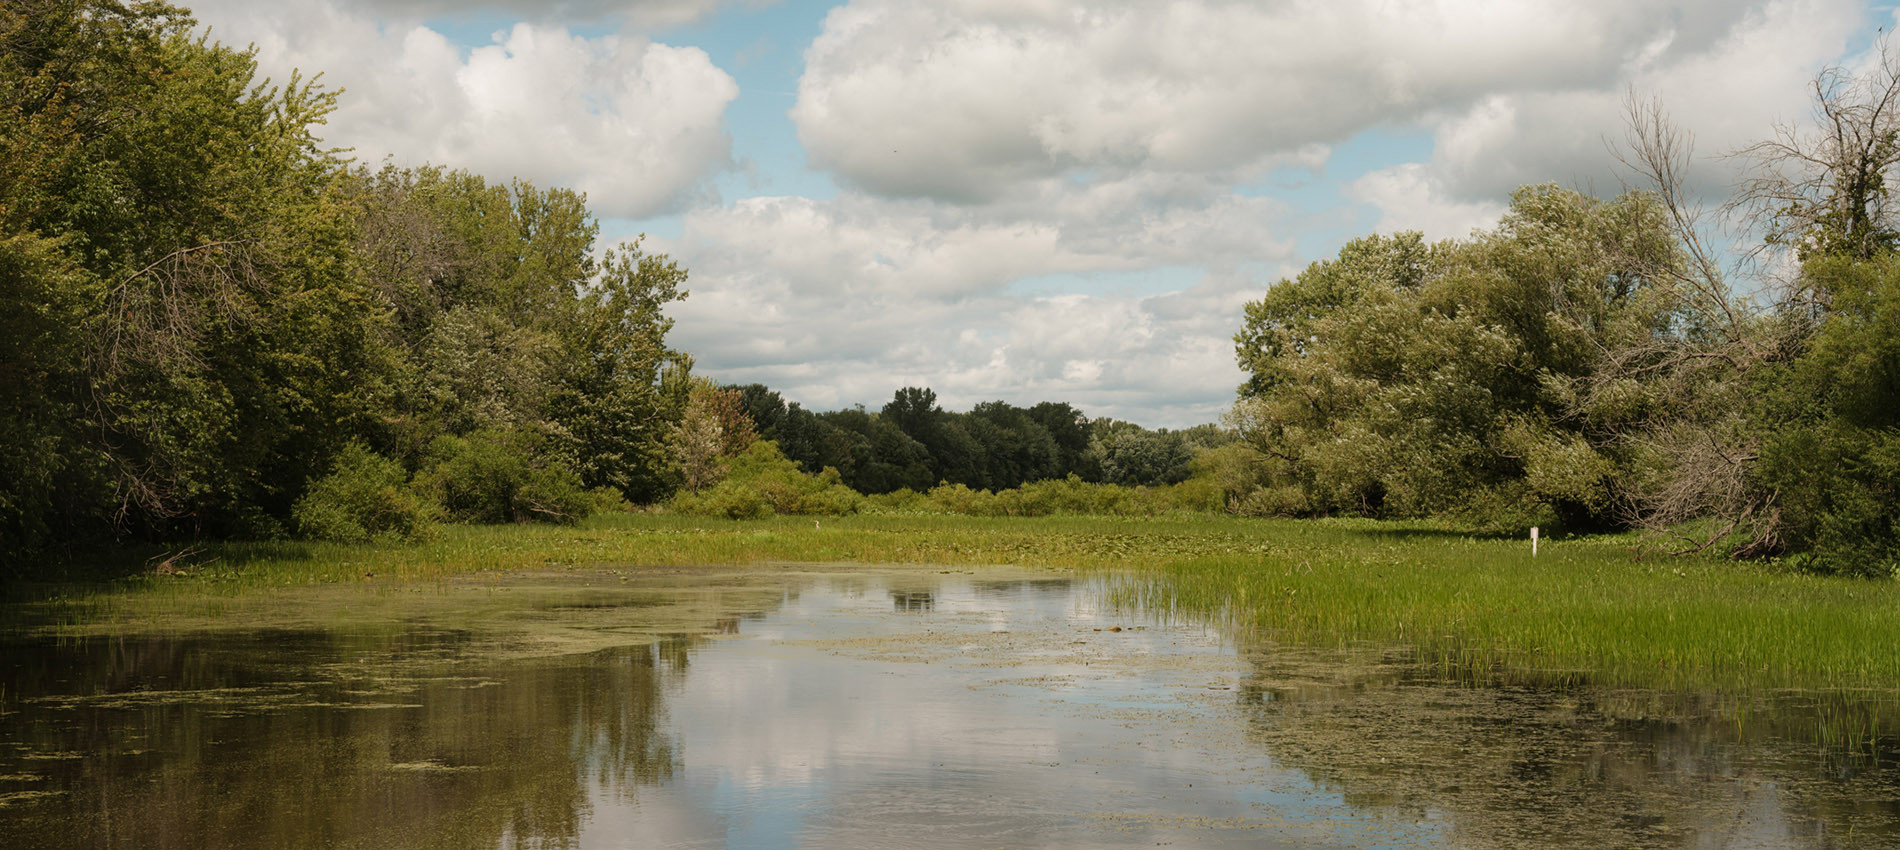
[204, 313]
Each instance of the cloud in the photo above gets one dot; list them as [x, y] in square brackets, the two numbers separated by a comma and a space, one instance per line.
[646, 14]
[845, 300]
[635, 124]
[964, 100]
[1410, 197]
[1729, 90]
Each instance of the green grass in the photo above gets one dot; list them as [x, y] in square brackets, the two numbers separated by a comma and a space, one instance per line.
[1605, 609]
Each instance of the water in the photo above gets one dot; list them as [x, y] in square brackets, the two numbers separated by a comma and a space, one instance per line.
[878, 710]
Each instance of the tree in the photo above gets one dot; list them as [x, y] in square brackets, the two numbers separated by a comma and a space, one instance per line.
[764, 407]
[1016, 448]
[915, 410]
[697, 443]
[1279, 325]
[1406, 380]
[1830, 451]
[622, 386]
[1069, 428]
[1823, 188]
[180, 221]
[202, 309]
[502, 317]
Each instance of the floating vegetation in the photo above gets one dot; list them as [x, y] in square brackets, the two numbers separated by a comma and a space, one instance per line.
[8, 798]
[433, 766]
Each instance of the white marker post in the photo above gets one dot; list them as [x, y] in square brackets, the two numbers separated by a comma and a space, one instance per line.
[1533, 541]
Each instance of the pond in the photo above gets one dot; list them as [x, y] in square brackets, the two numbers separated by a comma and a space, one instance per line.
[869, 709]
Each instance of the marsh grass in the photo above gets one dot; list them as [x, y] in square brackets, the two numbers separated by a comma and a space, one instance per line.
[1605, 610]
[1587, 611]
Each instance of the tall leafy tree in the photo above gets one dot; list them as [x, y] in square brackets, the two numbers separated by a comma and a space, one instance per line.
[202, 309]
[1405, 379]
[180, 220]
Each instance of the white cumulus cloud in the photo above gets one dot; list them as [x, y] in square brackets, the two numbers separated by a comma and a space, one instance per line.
[1728, 90]
[1409, 197]
[637, 125]
[965, 100]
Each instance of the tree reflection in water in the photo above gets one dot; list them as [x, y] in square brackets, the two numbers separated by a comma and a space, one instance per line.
[308, 739]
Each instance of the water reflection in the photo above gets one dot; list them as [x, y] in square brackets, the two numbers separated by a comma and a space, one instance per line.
[912, 600]
[318, 740]
[1584, 767]
[859, 711]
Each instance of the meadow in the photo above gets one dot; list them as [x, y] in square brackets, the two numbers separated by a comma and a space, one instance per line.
[1611, 609]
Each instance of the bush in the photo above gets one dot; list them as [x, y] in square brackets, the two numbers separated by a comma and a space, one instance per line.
[762, 481]
[1840, 497]
[365, 497]
[1067, 496]
[499, 475]
[960, 499]
[1832, 454]
[902, 500]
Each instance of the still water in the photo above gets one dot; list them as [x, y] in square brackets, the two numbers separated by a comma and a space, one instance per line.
[872, 710]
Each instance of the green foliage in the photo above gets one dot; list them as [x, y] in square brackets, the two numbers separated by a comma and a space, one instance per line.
[1833, 454]
[200, 307]
[503, 318]
[502, 475]
[913, 443]
[1280, 326]
[713, 426]
[1408, 380]
[365, 497]
[761, 482]
[199, 346]
[1234, 478]
[1128, 454]
[1070, 496]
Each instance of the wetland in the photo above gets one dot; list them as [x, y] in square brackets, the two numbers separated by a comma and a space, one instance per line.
[780, 705]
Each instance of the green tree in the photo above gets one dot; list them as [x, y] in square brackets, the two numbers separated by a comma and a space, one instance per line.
[1405, 380]
[202, 309]
[201, 348]
[1831, 460]
[713, 428]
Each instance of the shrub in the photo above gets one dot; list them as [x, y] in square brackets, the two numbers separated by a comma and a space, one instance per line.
[902, 500]
[498, 475]
[761, 481]
[365, 497]
[1070, 496]
[960, 499]
[1839, 508]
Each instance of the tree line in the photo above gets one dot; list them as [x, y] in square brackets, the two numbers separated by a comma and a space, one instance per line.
[913, 443]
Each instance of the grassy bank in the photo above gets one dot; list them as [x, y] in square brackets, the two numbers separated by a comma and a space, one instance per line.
[1602, 609]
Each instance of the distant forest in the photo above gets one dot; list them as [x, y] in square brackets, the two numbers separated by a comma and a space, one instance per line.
[211, 326]
[914, 443]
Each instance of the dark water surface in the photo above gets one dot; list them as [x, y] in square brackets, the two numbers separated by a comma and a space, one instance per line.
[886, 710]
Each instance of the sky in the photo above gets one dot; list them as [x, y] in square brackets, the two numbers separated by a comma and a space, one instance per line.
[1032, 200]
